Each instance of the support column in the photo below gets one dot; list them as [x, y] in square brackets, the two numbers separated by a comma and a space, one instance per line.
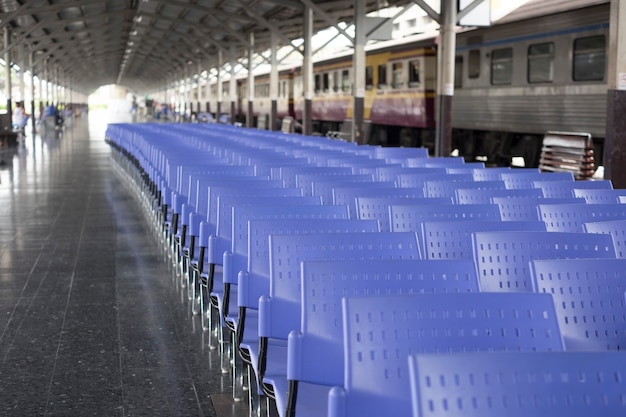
[199, 89]
[22, 84]
[273, 122]
[358, 67]
[7, 69]
[220, 92]
[445, 81]
[232, 86]
[250, 112]
[615, 137]
[33, 119]
[307, 72]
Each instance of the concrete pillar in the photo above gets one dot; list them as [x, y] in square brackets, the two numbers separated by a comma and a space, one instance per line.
[307, 72]
[250, 111]
[445, 80]
[220, 92]
[274, 83]
[232, 86]
[7, 69]
[615, 138]
[358, 67]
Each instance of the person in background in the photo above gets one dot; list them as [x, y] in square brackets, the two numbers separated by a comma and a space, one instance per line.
[20, 117]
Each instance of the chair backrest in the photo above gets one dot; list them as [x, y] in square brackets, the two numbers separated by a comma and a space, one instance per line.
[489, 174]
[502, 257]
[524, 179]
[600, 196]
[377, 207]
[527, 208]
[391, 173]
[288, 251]
[445, 188]
[447, 161]
[323, 187]
[481, 196]
[453, 239]
[305, 180]
[345, 195]
[518, 384]
[418, 179]
[589, 299]
[570, 217]
[249, 252]
[381, 332]
[564, 189]
[288, 173]
[409, 218]
[316, 351]
[617, 230]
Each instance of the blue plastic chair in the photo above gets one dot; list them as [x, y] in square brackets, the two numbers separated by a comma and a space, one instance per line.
[518, 384]
[279, 311]
[392, 172]
[502, 257]
[255, 283]
[446, 240]
[589, 299]
[524, 178]
[445, 188]
[409, 218]
[305, 181]
[419, 180]
[600, 196]
[565, 189]
[377, 207]
[380, 332]
[481, 196]
[345, 195]
[617, 230]
[527, 208]
[435, 162]
[490, 174]
[570, 217]
[323, 187]
[315, 351]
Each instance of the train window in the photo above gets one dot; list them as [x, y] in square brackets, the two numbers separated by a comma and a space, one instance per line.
[473, 64]
[382, 75]
[501, 66]
[541, 62]
[458, 71]
[345, 80]
[398, 76]
[318, 83]
[369, 77]
[325, 82]
[589, 58]
[414, 73]
[336, 81]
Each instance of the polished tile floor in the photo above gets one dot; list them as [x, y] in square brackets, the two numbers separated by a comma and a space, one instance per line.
[92, 319]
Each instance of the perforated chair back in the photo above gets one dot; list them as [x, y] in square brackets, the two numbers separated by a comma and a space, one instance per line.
[409, 218]
[502, 257]
[261, 231]
[570, 217]
[524, 179]
[345, 195]
[565, 189]
[316, 351]
[617, 230]
[600, 196]
[391, 173]
[288, 251]
[589, 299]
[377, 208]
[518, 384]
[381, 332]
[527, 208]
[453, 240]
[445, 188]
[480, 196]
[447, 161]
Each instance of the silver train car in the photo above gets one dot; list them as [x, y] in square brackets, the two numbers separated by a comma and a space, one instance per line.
[542, 67]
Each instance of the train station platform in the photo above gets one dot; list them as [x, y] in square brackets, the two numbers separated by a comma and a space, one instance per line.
[92, 319]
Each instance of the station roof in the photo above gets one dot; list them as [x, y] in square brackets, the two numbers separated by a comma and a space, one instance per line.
[143, 43]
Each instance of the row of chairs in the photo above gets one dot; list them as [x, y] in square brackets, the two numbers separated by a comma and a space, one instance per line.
[321, 264]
